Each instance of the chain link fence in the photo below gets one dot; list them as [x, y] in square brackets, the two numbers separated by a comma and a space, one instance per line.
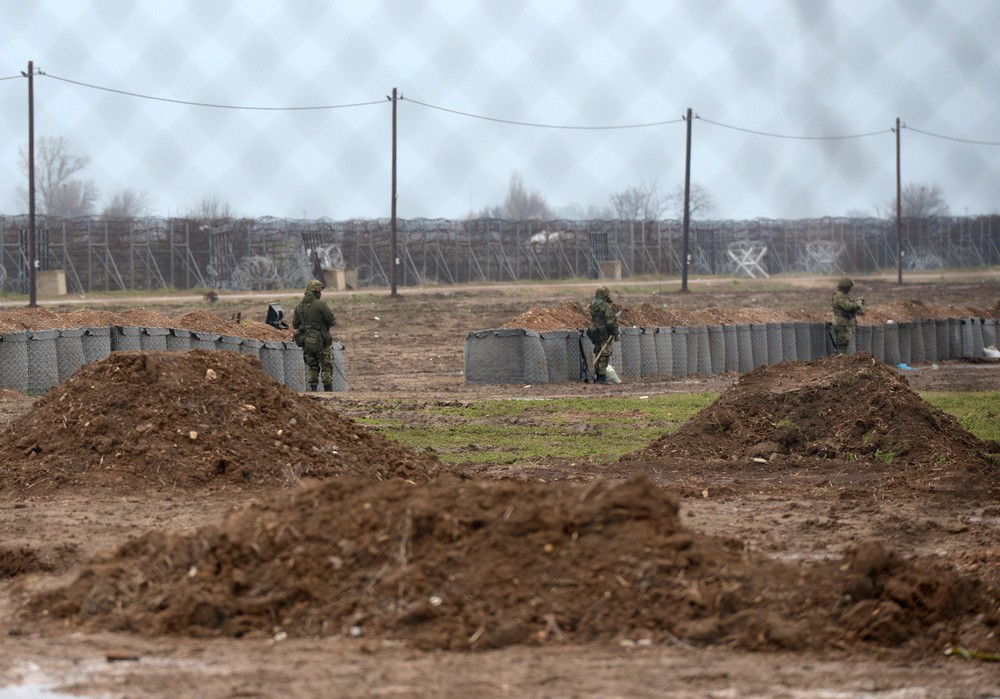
[258, 147]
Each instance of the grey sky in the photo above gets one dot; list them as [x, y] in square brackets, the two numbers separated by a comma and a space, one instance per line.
[811, 68]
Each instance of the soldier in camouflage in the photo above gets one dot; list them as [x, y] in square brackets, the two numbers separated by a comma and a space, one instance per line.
[603, 327]
[312, 320]
[844, 311]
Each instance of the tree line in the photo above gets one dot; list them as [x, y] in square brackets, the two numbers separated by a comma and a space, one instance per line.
[62, 191]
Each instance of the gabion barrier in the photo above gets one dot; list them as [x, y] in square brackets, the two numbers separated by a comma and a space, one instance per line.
[32, 362]
[679, 346]
[14, 361]
[228, 343]
[204, 340]
[295, 366]
[126, 338]
[863, 338]
[990, 333]
[69, 352]
[631, 353]
[647, 353]
[251, 347]
[878, 342]
[525, 356]
[744, 348]
[972, 338]
[178, 340]
[43, 364]
[803, 341]
[556, 347]
[730, 348]
[505, 356]
[96, 343]
[272, 359]
[154, 339]
[339, 370]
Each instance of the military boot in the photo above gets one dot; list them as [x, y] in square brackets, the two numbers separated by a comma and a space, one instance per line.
[312, 387]
[328, 387]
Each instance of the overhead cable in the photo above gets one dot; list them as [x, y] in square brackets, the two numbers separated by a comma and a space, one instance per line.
[796, 138]
[544, 126]
[209, 104]
[953, 138]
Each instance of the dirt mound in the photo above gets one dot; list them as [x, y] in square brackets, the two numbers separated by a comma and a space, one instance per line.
[850, 408]
[567, 316]
[141, 420]
[571, 315]
[206, 321]
[912, 309]
[476, 565]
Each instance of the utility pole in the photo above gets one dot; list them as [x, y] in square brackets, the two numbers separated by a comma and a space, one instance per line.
[392, 215]
[899, 213]
[32, 293]
[687, 204]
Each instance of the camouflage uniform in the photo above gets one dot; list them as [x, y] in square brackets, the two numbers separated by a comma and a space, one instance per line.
[312, 320]
[603, 325]
[844, 310]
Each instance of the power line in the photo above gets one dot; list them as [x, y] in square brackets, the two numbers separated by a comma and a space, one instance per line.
[209, 104]
[544, 126]
[952, 138]
[796, 138]
[14, 77]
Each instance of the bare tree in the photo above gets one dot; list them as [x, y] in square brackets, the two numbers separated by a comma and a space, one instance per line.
[129, 203]
[518, 205]
[211, 208]
[919, 201]
[60, 192]
[522, 205]
[700, 204]
[645, 202]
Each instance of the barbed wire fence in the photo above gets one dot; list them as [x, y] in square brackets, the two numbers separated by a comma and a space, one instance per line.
[98, 254]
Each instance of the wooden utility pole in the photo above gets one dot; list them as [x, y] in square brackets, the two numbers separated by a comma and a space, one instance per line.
[32, 293]
[687, 205]
[392, 215]
[899, 213]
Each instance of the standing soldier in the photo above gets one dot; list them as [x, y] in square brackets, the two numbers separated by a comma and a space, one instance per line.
[603, 327]
[844, 311]
[312, 320]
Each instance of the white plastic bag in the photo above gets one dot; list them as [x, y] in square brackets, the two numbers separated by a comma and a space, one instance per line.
[612, 375]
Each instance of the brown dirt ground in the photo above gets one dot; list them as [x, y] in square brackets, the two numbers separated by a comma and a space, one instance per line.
[767, 548]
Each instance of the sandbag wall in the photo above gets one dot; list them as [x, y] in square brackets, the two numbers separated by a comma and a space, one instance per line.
[33, 361]
[529, 357]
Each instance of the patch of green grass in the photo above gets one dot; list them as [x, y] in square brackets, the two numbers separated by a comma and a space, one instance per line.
[886, 457]
[521, 431]
[596, 429]
[979, 413]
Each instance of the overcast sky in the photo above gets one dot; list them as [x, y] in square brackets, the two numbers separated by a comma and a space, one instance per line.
[495, 87]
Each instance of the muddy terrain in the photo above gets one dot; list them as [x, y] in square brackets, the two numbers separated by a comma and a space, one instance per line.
[179, 524]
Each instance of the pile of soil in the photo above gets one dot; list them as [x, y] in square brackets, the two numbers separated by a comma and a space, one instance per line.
[573, 316]
[567, 316]
[39, 318]
[474, 565]
[141, 420]
[844, 408]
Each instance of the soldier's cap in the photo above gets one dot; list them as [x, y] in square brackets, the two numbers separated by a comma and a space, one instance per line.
[603, 292]
[845, 284]
[315, 285]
